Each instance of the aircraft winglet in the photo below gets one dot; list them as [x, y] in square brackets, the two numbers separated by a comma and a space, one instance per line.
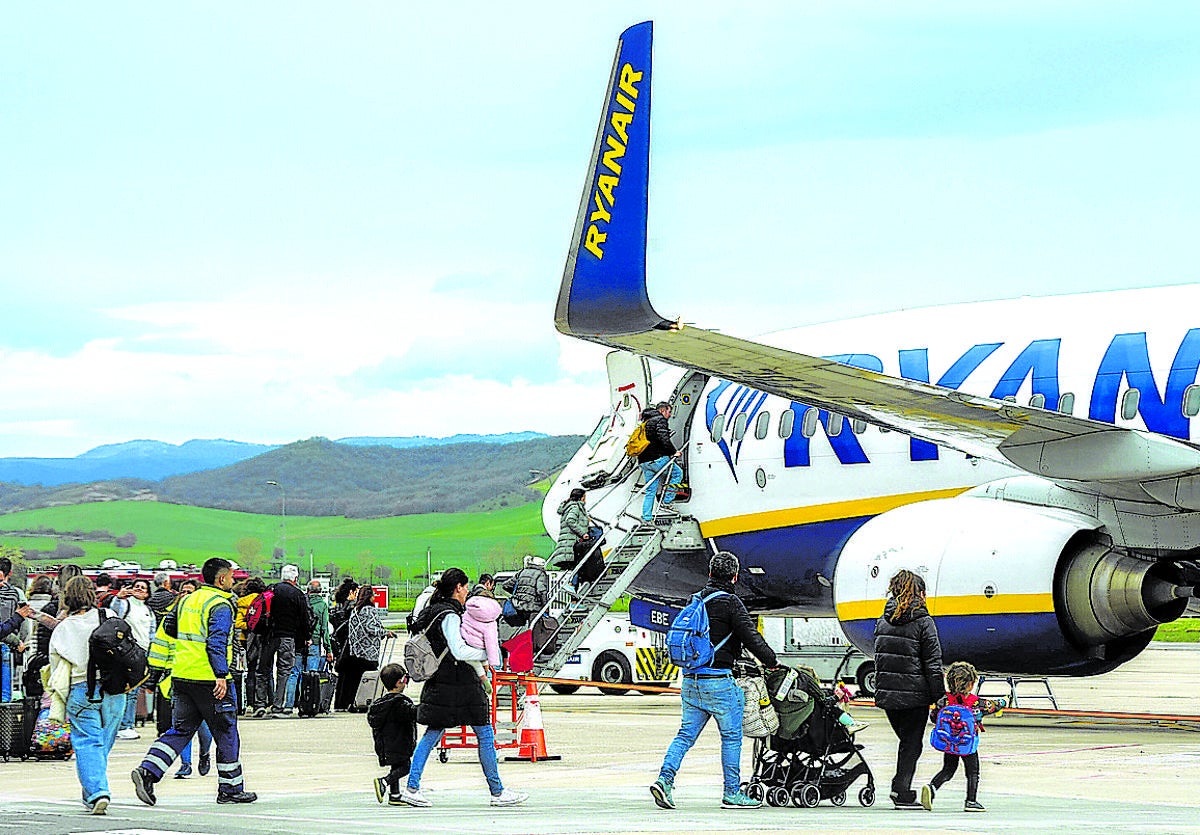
[604, 284]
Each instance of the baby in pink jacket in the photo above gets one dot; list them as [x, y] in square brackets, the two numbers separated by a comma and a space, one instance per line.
[480, 630]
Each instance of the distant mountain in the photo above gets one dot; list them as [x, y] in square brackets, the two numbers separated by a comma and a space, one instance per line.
[155, 460]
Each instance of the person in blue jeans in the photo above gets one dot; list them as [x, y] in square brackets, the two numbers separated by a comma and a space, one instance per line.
[320, 651]
[654, 459]
[95, 721]
[711, 692]
[204, 735]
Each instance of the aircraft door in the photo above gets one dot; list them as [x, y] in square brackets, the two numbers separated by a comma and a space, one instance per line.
[683, 401]
[629, 391]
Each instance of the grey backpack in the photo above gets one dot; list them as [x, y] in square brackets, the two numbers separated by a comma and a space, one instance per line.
[419, 657]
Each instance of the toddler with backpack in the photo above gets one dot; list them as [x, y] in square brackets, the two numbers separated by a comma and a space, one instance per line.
[957, 722]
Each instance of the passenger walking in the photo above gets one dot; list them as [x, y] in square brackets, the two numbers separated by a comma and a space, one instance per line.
[318, 651]
[711, 692]
[963, 736]
[203, 629]
[656, 456]
[94, 721]
[452, 696]
[288, 633]
[361, 654]
[143, 623]
[908, 675]
[393, 721]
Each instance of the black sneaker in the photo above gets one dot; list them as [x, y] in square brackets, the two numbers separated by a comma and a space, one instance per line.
[973, 806]
[897, 803]
[237, 797]
[205, 764]
[143, 784]
[381, 789]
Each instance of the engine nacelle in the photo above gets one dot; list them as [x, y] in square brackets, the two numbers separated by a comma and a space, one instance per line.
[1013, 587]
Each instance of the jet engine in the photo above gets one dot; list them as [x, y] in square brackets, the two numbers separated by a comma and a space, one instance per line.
[1012, 587]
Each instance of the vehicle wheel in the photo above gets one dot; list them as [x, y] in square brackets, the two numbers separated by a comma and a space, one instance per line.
[866, 679]
[612, 668]
[838, 799]
[564, 689]
[810, 795]
[443, 756]
[756, 791]
[866, 796]
[778, 796]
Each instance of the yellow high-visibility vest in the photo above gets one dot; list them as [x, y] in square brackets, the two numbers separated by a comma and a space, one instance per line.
[193, 617]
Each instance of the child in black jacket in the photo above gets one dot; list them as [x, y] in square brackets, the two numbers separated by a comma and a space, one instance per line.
[393, 721]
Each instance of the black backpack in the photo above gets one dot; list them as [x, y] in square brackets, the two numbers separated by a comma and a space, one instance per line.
[115, 661]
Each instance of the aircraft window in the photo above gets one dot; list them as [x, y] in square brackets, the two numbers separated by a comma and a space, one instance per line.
[1010, 399]
[1066, 403]
[718, 427]
[835, 425]
[598, 432]
[739, 426]
[787, 422]
[1191, 401]
[1038, 401]
[858, 426]
[1129, 403]
[808, 426]
[762, 425]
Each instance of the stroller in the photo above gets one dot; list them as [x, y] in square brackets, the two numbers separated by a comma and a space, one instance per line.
[811, 757]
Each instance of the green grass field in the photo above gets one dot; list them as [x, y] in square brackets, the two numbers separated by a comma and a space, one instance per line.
[486, 541]
[1184, 630]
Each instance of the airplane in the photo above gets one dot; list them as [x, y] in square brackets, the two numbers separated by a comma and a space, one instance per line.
[1036, 460]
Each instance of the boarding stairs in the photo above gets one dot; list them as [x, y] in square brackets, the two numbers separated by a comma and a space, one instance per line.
[637, 543]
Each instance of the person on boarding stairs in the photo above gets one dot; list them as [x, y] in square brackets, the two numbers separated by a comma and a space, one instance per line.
[530, 587]
[94, 721]
[574, 524]
[362, 648]
[452, 696]
[203, 630]
[961, 678]
[654, 459]
[712, 693]
[908, 675]
[393, 721]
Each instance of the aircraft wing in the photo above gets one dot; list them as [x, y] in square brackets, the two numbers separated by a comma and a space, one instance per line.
[603, 299]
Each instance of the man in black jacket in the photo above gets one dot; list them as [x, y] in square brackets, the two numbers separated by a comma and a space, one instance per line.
[712, 692]
[290, 632]
[654, 458]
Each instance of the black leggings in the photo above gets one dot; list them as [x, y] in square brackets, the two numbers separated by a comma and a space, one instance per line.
[909, 725]
[950, 765]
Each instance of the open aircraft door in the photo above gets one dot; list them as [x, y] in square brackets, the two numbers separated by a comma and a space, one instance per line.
[629, 391]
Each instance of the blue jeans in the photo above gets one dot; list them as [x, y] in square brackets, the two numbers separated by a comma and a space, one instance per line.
[206, 740]
[94, 727]
[311, 662]
[673, 475]
[724, 701]
[487, 756]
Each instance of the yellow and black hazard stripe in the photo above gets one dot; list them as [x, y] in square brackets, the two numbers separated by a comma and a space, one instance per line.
[653, 664]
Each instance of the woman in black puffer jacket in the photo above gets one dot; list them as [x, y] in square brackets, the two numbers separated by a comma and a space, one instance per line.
[453, 695]
[908, 675]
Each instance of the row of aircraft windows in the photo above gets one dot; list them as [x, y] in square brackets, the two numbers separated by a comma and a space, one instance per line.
[808, 424]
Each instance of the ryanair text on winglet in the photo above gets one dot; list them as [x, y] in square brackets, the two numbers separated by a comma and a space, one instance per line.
[616, 138]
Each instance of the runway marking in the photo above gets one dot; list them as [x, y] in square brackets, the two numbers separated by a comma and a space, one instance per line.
[1063, 751]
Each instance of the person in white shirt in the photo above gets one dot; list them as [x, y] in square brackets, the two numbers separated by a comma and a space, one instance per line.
[143, 623]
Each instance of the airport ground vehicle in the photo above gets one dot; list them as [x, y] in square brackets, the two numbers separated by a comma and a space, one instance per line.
[617, 652]
[820, 643]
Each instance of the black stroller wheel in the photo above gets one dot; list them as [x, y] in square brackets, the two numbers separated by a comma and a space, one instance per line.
[810, 795]
[838, 799]
[756, 791]
[866, 796]
[777, 796]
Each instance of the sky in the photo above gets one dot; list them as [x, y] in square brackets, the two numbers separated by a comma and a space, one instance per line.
[272, 221]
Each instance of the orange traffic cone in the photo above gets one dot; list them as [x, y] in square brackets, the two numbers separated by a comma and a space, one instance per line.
[532, 744]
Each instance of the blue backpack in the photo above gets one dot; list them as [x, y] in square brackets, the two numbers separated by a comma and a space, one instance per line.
[955, 731]
[688, 641]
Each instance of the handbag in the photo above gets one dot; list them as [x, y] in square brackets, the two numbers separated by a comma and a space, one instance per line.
[759, 718]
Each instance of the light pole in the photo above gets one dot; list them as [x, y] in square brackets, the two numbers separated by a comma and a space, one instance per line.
[282, 514]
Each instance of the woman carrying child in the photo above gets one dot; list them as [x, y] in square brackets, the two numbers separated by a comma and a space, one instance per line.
[960, 686]
[452, 696]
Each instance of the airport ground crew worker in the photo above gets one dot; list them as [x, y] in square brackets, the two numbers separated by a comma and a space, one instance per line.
[203, 653]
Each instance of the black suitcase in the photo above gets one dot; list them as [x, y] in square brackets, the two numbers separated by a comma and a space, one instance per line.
[308, 699]
[328, 688]
[17, 720]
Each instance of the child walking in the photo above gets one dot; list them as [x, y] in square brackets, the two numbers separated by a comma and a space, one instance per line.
[393, 721]
[480, 629]
[961, 678]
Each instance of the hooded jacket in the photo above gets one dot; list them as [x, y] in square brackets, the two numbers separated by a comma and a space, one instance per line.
[908, 659]
[393, 721]
[452, 695]
[479, 627]
[573, 527]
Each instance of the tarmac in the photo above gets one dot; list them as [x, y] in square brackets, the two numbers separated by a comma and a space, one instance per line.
[314, 775]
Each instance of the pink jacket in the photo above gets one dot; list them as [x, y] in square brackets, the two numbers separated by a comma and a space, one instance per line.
[479, 627]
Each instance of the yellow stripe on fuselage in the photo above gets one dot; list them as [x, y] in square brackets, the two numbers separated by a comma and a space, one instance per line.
[961, 604]
[791, 516]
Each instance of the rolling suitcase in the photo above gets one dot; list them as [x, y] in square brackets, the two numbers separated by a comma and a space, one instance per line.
[308, 699]
[17, 720]
[145, 704]
[367, 692]
[328, 688]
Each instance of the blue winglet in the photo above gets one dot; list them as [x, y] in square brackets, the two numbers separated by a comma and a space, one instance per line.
[604, 283]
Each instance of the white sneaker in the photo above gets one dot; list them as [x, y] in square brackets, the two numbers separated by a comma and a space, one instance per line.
[508, 797]
[128, 733]
[413, 797]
